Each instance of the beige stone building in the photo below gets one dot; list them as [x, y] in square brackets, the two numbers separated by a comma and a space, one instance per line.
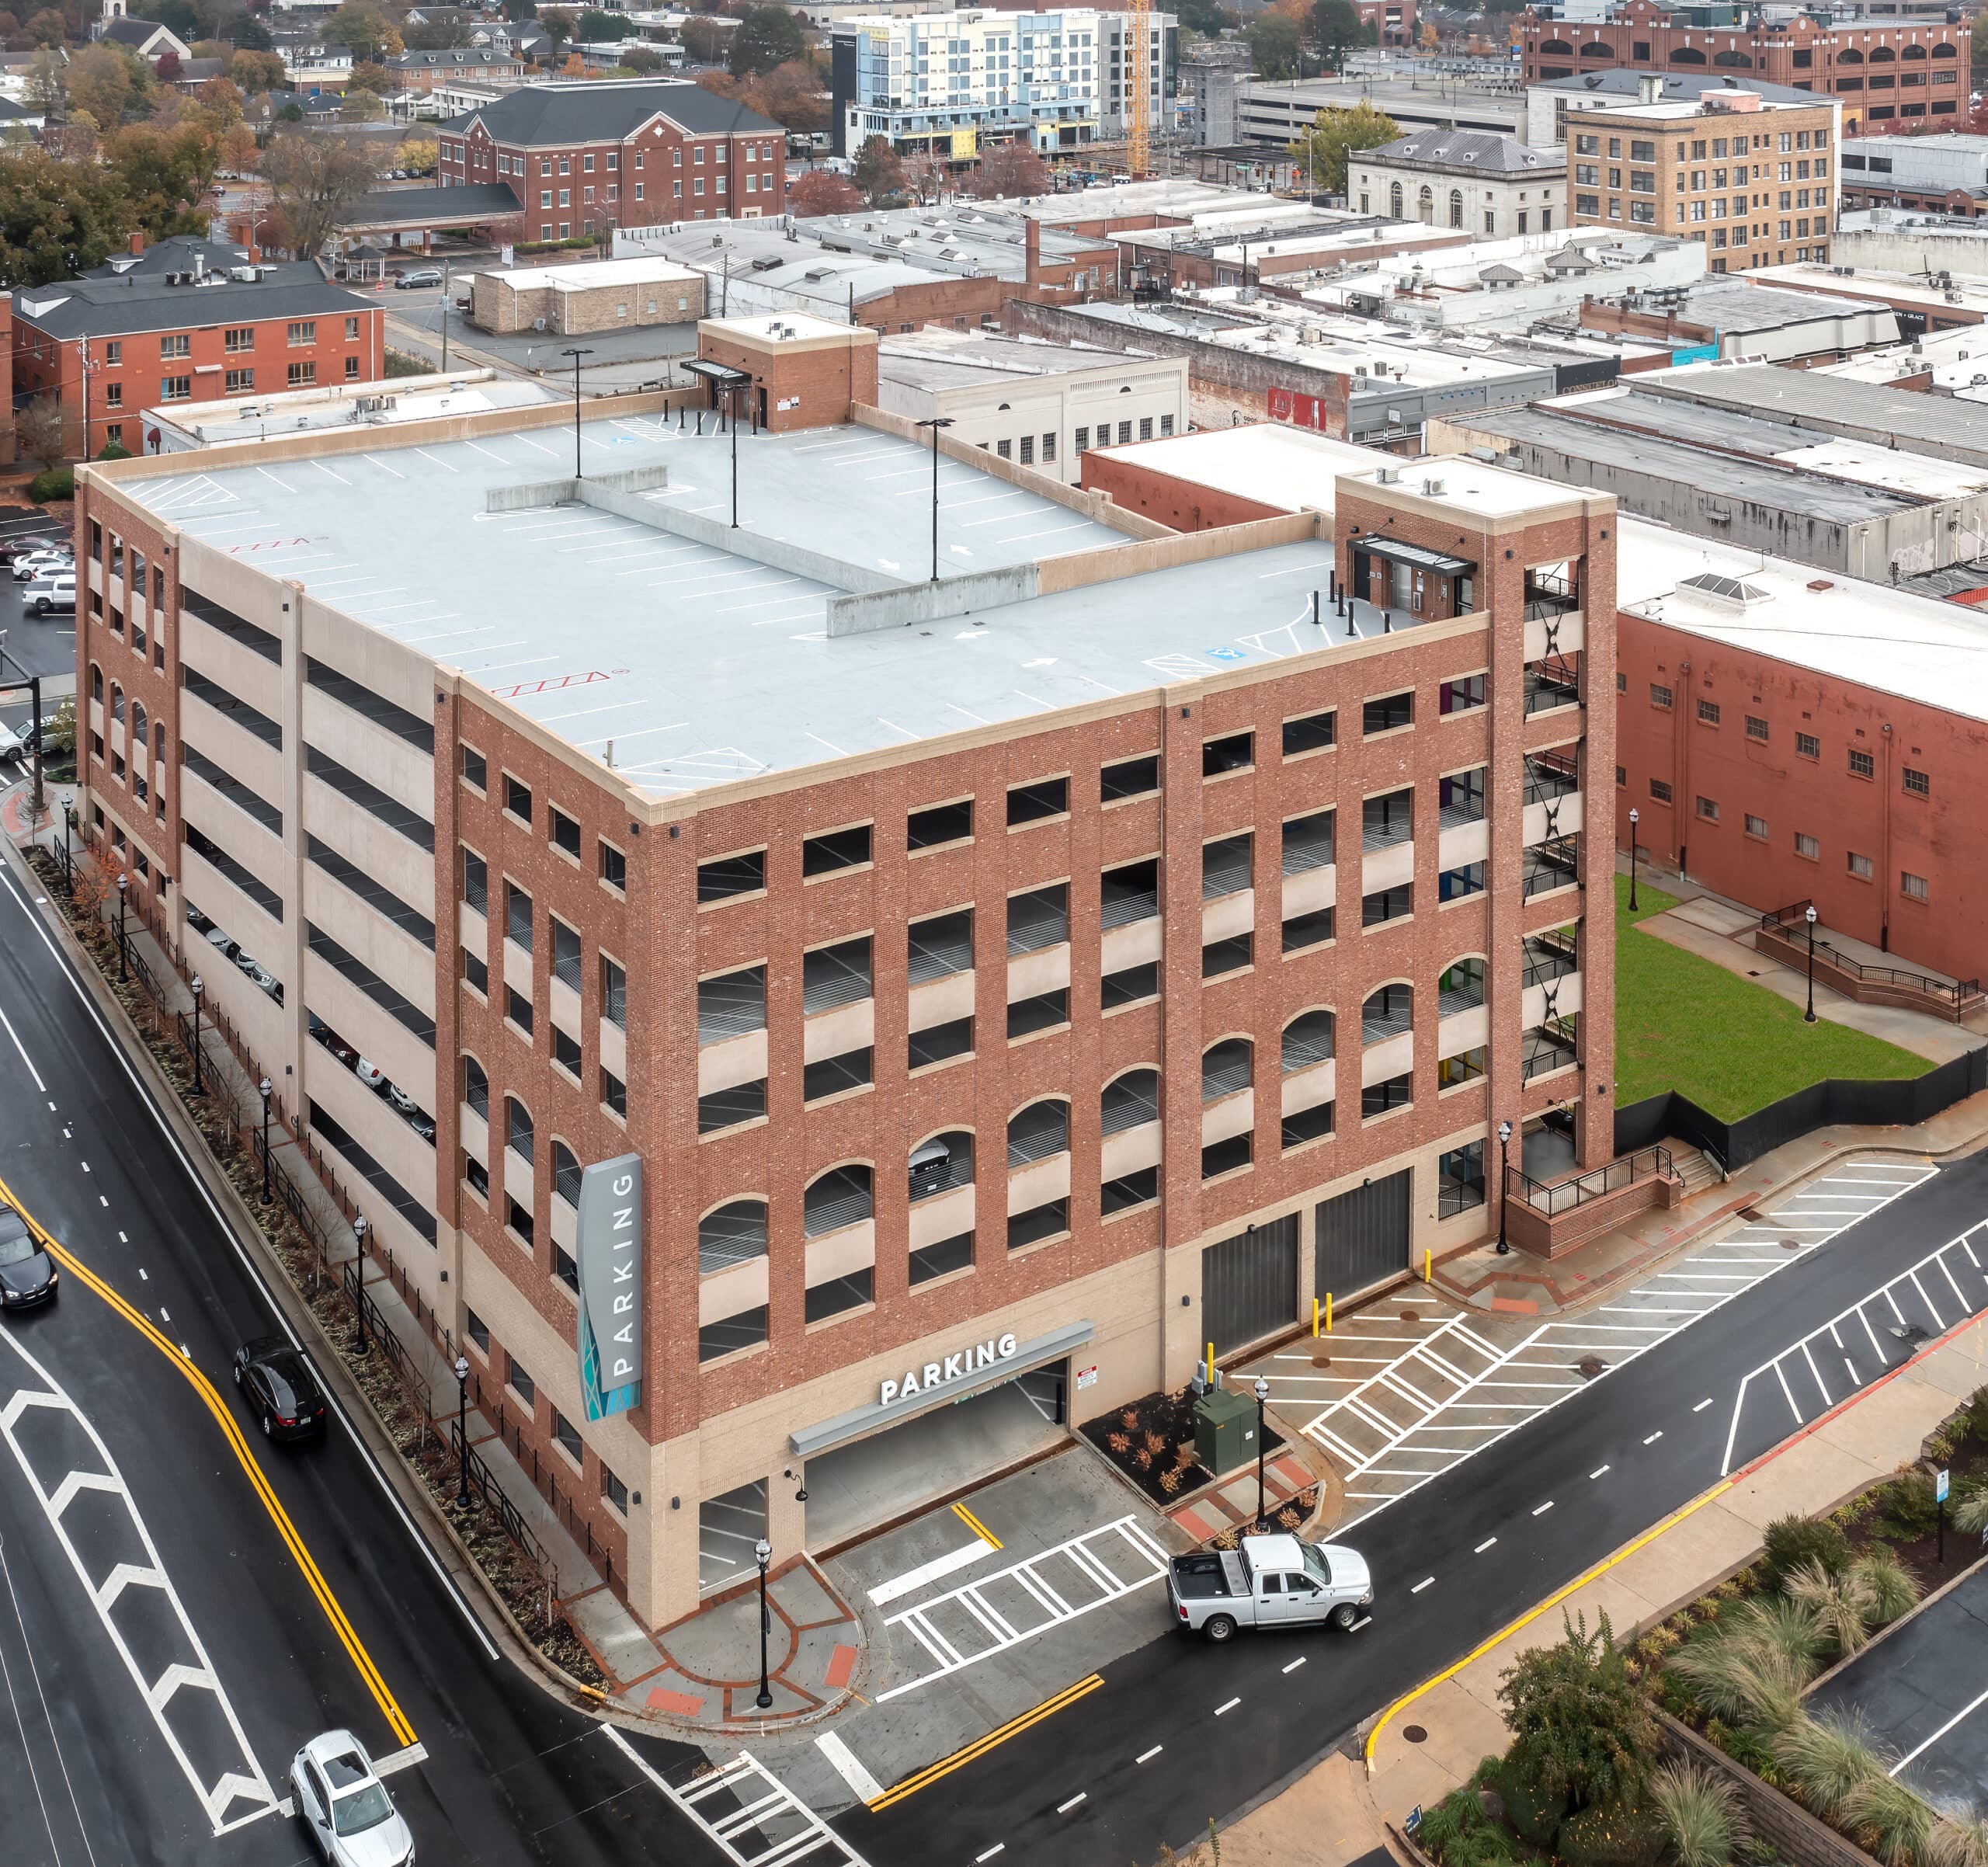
[573, 301]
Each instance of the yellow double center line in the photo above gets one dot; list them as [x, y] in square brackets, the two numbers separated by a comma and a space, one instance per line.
[980, 1746]
[348, 1639]
[977, 1527]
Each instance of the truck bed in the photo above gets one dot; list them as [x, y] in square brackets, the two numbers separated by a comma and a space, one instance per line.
[1209, 1575]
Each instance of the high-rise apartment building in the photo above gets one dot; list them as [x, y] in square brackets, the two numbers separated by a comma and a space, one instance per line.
[946, 83]
[982, 994]
[1754, 179]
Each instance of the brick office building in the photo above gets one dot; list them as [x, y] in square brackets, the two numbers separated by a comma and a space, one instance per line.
[1898, 71]
[185, 321]
[588, 158]
[650, 894]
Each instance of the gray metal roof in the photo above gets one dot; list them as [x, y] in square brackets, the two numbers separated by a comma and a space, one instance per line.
[1466, 152]
[106, 304]
[433, 207]
[1679, 86]
[1938, 425]
[1739, 303]
[432, 61]
[548, 116]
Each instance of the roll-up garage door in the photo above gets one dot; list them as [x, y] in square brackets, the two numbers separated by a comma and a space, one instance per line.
[1363, 1236]
[1250, 1284]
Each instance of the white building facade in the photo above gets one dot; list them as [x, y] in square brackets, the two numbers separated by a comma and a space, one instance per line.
[1494, 187]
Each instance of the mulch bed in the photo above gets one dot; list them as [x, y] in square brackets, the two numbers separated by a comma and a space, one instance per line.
[1152, 1442]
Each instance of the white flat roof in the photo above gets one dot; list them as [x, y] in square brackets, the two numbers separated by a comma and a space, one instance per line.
[592, 273]
[1291, 468]
[1917, 648]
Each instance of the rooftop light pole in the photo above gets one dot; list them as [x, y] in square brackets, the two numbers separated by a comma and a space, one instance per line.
[1809, 1016]
[579, 474]
[935, 422]
[1635, 849]
[733, 412]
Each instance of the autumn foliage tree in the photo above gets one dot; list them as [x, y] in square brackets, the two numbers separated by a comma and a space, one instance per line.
[1012, 170]
[823, 191]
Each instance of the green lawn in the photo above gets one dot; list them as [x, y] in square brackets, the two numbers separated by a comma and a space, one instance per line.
[1682, 1023]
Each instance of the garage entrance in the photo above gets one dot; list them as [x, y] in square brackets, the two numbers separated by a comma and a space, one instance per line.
[1363, 1236]
[1250, 1284]
[891, 1474]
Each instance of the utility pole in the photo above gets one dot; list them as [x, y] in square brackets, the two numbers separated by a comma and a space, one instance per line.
[445, 317]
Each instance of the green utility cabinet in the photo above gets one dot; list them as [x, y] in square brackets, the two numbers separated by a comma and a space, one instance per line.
[1225, 1430]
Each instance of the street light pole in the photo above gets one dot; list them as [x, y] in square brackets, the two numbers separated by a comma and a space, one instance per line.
[68, 856]
[359, 1231]
[124, 889]
[732, 396]
[1504, 1147]
[578, 472]
[1263, 1394]
[763, 1552]
[200, 1081]
[1809, 1016]
[266, 1088]
[462, 1431]
[1635, 849]
[445, 317]
[935, 422]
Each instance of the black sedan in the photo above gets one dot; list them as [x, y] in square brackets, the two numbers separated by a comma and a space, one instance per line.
[27, 1273]
[281, 1386]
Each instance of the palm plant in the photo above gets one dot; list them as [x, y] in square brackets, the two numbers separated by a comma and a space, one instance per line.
[1889, 1818]
[1844, 1604]
[1702, 1812]
[1893, 1587]
[1827, 1760]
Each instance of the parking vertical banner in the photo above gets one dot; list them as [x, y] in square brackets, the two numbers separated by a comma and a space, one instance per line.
[610, 1257]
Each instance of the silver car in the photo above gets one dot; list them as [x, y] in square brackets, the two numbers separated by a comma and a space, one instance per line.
[341, 1800]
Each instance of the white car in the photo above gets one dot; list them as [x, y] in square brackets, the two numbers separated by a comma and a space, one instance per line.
[43, 564]
[371, 1074]
[262, 980]
[401, 1100]
[14, 745]
[341, 1800]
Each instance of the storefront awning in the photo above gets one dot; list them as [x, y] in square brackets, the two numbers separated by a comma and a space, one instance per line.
[808, 1441]
[1396, 551]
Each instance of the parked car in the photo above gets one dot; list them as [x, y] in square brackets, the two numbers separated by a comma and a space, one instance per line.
[340, 1799]
[420, 276]
[27, 1273]
[333, 1042]
[199, 921]
[15, 744]
[217, 938]
[13, 549]
[55, 591]
[422, 1124]
[401, 1100]
[245, 960]
[32, 564]
[262, 981]
[279, 1383]
[371, 1074]
[1268, 1581]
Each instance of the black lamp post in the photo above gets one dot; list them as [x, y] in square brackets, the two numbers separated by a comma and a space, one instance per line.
[1635, 849]
[764, 1551]
[124, 889]
[1504, 1147]
[68, 858]
[462, 1431]
[359, 1231]
[935, 422]
[200, 1081]
[578, 472]
[265, 1089]
[1263, 1394]
[731, 414]
[1809, 1016]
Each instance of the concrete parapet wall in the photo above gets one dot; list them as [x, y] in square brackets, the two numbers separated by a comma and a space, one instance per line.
[739, 540]
[903, 604]
[1077, 570]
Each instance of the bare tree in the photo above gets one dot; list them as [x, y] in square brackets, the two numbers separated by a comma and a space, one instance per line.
[312, 180]
[41, 432]
[927, 177]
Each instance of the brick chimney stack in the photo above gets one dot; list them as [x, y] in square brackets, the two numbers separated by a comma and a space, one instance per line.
[138, 244]
[1031, 252]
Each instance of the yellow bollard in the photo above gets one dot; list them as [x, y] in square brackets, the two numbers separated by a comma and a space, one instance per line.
[1428, 1258]
[1314, 1315]
[1211, 1365]
[1328, 1312]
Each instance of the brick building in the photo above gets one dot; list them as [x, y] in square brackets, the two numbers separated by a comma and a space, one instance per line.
[1896, 71]
[962, 964]
[588, 158]
[185, 321]
[570, 301]
[419, 73]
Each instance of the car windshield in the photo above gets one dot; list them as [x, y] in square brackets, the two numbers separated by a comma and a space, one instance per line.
[15, 1246]
[362, 1808]
[1315, 1560]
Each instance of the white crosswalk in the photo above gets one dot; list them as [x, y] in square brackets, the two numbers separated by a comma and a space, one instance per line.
[1467, 1383]
[754, 1819]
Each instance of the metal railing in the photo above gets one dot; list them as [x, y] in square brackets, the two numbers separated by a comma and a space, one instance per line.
[380, 1332]
[483, 1483]
[1564, 1196]
[1791, 923]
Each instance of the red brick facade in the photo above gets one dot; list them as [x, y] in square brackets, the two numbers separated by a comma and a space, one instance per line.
[1181, 505]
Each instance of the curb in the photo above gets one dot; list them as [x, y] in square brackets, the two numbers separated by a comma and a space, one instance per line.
[408, 1490]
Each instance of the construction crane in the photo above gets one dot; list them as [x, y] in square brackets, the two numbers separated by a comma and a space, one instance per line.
[1138, 124]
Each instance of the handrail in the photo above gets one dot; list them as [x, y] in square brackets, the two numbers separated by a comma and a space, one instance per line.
[1779, 923]
[1564, 1196]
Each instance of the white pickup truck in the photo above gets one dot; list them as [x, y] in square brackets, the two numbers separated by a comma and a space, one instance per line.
[1269, 1581]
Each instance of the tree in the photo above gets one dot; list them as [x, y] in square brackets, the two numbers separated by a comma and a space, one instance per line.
[57, 218]
[166, 171]
[1332, 29]
[46, 91]
[1012, 170]
[878, 172]
[364, 29]
[823, 191]
[704, 40]
[417, 155]
[768, 37]
[1583, 1728]
[41, 432]
[220, 98]
[360, 106]
[1979, 39]
[641, 60]
[790, 93]
[257, 73]
[107, 81]
[1334, 134]
[927, 178]
[517, 10]
[557, 23]
[290, 113]
[1206, 17]
[595, 27]
[369, 75]
[247, 33]
[1275, 47]
[313, 180]
[168, 71]
[47, 28]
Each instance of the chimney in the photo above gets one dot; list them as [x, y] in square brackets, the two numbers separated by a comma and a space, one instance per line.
[138, 244]
[1649, 89]
[1031, 251]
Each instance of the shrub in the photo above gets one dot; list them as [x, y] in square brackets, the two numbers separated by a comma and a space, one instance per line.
[1825, 1759]
[1908, 1505]
[1969, 1510]
[1887, 1819]
[56, 483]
[1843, 1603]
[1742, 1679]
[1975, 1411]
[1894, 1588]
[1702, 1813]
[1792, 1540]
[1458, 1833]
[1786, 1626]
[1581, 1727]
[1629, 1836]
[1956, 1841]
[1534, 1813]
[114, 450]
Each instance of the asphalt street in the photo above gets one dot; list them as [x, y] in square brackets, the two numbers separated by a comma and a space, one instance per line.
[132, 1542]
[1180, 1731]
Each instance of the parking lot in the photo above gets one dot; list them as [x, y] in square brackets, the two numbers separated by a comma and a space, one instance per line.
[37, 645]
[1922, 1692]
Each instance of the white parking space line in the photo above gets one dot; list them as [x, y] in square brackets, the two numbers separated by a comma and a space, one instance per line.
[849, 1767]
[766, 1816]
[914, 1579]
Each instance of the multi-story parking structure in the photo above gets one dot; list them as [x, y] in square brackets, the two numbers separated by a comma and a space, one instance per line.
[969, 965]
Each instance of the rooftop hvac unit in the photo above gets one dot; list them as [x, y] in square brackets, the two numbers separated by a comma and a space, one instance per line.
[1432, 489]
[538, 324]
[1388, 476]
[242, 275]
